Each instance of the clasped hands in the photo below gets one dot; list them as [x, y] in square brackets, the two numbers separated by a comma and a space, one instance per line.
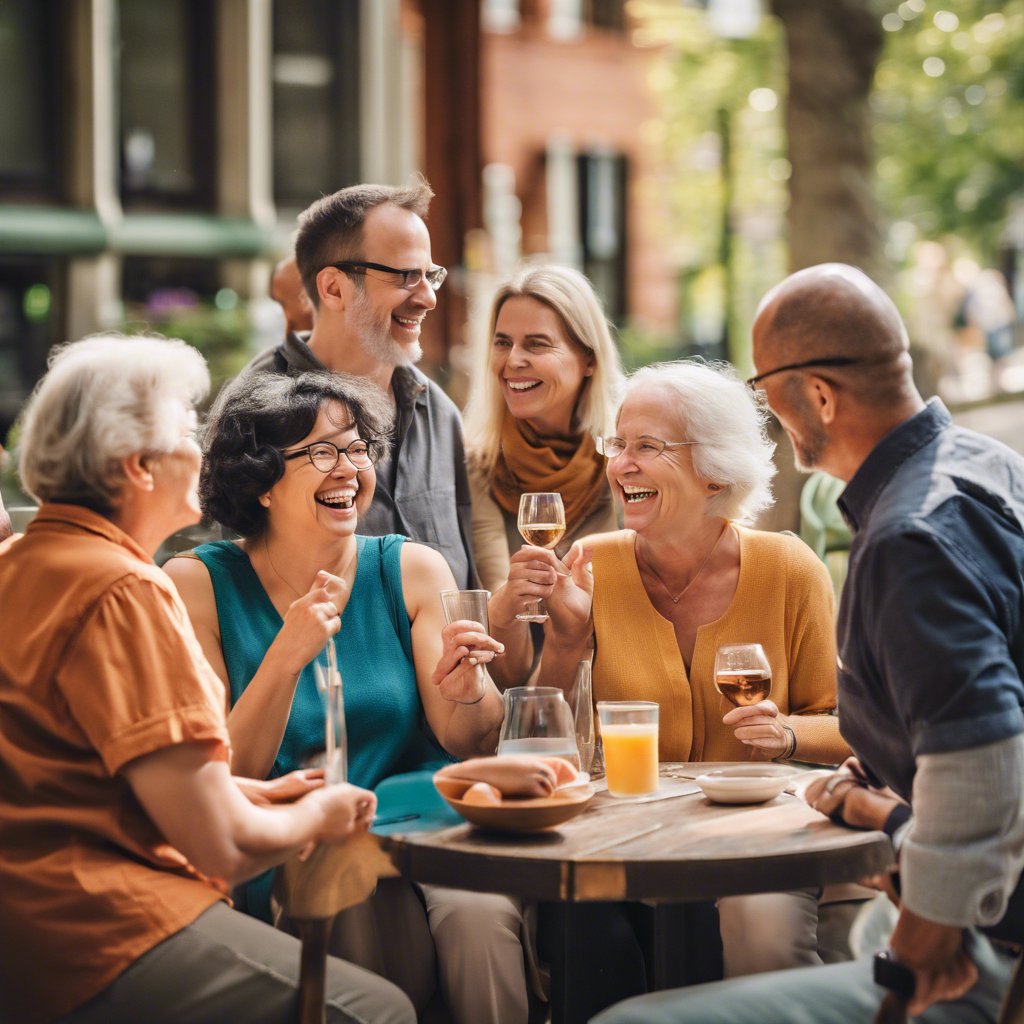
[566, 586]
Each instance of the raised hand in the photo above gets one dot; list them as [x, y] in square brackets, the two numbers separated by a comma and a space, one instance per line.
[311, 621]
[532, 574]
[459, 675]
[572, 596]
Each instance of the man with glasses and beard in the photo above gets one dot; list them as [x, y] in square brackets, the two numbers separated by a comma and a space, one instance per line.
[363, 254]
[931, 654]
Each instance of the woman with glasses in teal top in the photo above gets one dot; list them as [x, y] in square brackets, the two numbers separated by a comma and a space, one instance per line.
[289, 465]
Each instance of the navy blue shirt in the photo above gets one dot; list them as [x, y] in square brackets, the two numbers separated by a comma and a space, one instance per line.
[930, 642]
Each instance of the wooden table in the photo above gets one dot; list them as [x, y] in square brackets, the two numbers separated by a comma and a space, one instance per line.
[681, 848]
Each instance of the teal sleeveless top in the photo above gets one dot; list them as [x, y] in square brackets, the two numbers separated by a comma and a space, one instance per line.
[387, 730]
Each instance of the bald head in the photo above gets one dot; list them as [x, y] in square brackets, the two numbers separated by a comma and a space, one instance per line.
[831, 311]
[287, 291]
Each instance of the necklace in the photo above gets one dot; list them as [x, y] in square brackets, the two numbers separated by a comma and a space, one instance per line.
[266, 548]
[676, 598]
[343, 574]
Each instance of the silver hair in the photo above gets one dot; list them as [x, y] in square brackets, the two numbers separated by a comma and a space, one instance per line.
[102, 399]
[717, 410]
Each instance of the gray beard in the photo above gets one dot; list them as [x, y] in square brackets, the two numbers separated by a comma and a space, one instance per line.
[378, 343]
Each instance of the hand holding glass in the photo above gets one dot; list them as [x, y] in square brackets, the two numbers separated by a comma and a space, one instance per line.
[471, 605]
[743, 675]
[542, 523]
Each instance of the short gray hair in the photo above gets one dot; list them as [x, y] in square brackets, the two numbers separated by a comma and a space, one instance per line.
[104, 398]
[730, 425]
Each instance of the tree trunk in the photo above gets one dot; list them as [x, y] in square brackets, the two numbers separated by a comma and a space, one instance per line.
[833, 48]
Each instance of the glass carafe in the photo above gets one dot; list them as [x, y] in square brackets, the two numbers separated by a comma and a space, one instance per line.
[538, 721]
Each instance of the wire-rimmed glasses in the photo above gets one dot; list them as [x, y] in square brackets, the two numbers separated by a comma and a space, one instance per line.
[643, 448]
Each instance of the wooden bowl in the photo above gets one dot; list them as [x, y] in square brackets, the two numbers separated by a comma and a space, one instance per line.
[533, 815]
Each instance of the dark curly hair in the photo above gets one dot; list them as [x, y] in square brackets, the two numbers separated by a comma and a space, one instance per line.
[259, 414]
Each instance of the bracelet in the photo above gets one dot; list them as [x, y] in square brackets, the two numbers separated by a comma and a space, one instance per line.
[790, 744]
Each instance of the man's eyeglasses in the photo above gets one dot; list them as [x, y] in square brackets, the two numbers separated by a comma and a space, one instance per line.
[325, 455]
[752, 382]
[643, 449]
[411, 279]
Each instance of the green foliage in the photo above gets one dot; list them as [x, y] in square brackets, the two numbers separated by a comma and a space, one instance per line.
[221, 335]
[949, 128]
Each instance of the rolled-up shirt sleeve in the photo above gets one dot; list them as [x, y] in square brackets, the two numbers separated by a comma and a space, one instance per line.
[135, 679]
[962, 852]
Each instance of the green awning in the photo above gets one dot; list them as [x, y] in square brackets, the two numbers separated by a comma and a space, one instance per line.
[47, 230]
[61, 231]
[191, 234]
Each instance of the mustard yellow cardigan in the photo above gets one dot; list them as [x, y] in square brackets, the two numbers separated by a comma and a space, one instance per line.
[783, 601]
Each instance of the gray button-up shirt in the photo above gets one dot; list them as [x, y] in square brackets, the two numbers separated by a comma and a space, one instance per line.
[422, 488]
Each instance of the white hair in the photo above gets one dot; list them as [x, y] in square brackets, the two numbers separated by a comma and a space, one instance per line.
[719, 412]
[102, 399]
[571, 297]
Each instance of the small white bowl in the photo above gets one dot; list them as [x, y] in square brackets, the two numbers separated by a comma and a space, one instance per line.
[745, 784]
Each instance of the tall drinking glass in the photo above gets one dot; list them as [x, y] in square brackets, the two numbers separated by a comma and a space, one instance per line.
[471, 605]
[629, 736]
[336, 738]
[542, 523]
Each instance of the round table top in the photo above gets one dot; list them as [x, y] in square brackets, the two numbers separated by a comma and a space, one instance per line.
[676, 845]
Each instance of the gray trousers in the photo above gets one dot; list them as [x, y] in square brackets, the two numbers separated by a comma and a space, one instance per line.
[836, 994]
[227, 967]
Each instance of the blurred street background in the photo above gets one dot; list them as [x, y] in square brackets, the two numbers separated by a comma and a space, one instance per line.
[685, 154]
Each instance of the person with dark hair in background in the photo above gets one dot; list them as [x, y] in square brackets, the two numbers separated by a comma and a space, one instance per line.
[287, 291]
[364, 257]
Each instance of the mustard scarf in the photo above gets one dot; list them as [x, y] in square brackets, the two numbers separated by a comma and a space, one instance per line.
[528, 462]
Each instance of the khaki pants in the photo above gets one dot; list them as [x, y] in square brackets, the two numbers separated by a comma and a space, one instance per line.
[468, 945]
[227, 967]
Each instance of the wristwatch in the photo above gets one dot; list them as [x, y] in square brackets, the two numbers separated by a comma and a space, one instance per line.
[891, 974]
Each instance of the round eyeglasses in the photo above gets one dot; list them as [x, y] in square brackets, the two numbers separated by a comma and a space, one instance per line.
[643, 448]
[325, 455]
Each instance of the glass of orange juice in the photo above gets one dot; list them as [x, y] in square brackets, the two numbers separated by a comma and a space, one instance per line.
[629, 735]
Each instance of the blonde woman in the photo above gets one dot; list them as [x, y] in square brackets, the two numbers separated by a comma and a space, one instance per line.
[545, 384]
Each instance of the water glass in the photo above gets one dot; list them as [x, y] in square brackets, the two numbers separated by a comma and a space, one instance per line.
[471, 605]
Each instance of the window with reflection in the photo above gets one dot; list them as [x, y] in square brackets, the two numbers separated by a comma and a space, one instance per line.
[316, 99]
[168, 107]
[30, 60]
[602, 198]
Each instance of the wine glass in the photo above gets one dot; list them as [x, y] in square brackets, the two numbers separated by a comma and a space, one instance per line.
[542, 523]
[743, 675]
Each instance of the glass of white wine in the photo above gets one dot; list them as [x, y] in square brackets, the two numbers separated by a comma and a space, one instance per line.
[743, 675]
[542, 523]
